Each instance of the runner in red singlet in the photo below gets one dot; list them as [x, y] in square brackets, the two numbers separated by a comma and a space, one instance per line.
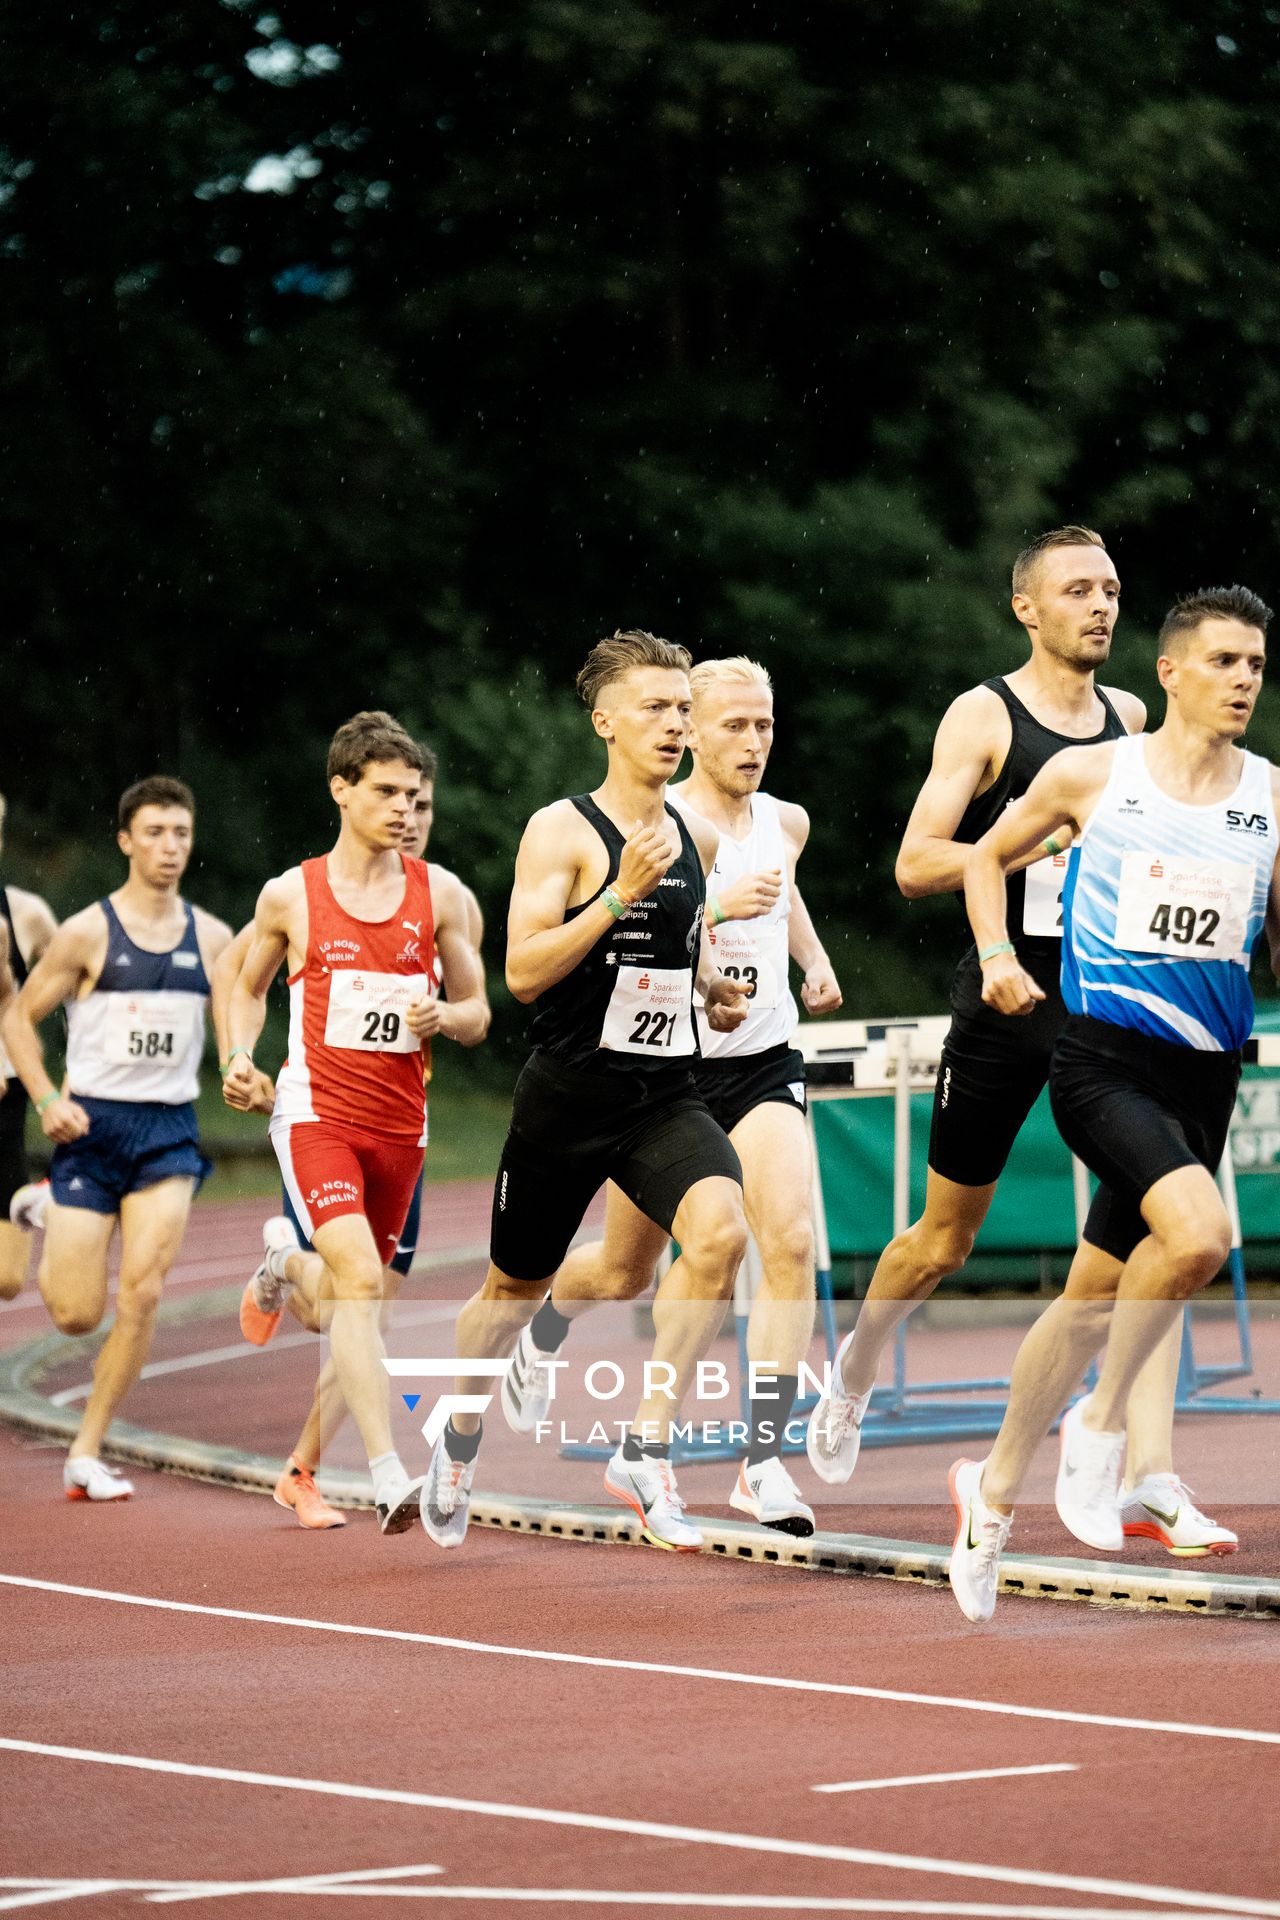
[349, 1123]
[296, 1488]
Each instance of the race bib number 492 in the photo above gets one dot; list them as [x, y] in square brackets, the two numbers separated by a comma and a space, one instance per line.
[1195, 908]
[650, 1012]
[367, 1010]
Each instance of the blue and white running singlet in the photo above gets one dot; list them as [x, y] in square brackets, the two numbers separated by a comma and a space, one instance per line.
[1164, 904]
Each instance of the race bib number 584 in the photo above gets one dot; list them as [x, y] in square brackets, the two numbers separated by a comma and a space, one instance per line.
[1199, 908]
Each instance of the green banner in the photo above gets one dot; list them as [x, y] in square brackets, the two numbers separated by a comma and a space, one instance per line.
[1032, 1211]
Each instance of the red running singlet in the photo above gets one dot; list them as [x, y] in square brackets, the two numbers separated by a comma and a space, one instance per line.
[352, 1059]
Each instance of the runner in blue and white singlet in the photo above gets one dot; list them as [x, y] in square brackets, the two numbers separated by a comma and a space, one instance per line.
[1164, 904]
[1175, 879]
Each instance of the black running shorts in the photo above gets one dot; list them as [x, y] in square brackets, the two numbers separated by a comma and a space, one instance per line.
[572, 1129]
[735, 1085]
[1134, 1108]
[993, 1069]
[14, 1172]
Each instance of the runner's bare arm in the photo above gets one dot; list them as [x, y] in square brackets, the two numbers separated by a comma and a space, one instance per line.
[541, 946]
[33, 922]
[1131, 710]
[475, 924]
[273, 922]
[968, 750]
[1273, 898]
[464, 1016]
[226, 970]
[821, 990]
[74, 955]
[1063, 793]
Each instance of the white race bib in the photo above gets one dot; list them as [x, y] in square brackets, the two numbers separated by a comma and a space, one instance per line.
[1042, 901]
[1193, 908]
[650, 1012]
[151, 1029]
[367, 1010]
[740, 956]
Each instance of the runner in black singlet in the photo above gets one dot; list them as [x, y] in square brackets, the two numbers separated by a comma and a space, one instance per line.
[30, 926]
[605, 933]
[990, 746]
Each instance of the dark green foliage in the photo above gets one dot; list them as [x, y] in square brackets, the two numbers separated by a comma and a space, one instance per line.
[772, 330]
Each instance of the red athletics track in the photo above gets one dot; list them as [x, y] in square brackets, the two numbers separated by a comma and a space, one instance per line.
[611, 1728]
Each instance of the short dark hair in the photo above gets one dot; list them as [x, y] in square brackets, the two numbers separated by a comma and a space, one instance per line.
[1025, 565]
[157, 790]
[629, 647]
[430, 760]
[366, 738]
[1212, 603]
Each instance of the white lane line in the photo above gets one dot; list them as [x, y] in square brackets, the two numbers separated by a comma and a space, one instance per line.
[662, 1830]
[357, 1885]
[49, 1896]
[241, 1350]
[730, 1902]
[938, 1779]
[840, 1689]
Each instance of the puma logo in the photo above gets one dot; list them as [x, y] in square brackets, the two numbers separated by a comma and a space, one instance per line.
[413, 926]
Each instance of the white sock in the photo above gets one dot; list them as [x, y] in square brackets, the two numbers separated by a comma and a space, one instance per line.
[389, 1477]
[274, 1263]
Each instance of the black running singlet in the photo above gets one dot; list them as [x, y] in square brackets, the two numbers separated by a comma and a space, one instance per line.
[1030, 748]
[629, 1002]
[13, 1095]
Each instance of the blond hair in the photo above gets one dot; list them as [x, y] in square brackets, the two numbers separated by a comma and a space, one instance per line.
[737, 671]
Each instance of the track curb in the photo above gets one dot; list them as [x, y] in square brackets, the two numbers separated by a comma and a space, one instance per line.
[1104, 1583]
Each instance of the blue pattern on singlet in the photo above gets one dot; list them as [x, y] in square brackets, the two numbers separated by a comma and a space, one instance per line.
[1205, 1003]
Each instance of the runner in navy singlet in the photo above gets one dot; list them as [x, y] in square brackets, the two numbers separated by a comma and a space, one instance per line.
[132, 972]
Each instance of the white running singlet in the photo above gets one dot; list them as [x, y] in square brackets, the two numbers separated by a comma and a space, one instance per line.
[753, 951]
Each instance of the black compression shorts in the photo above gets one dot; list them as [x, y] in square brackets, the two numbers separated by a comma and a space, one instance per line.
[1134, 1108]
[993, 1069]
[14, 1172]
[571, 1130]
[738, 1083]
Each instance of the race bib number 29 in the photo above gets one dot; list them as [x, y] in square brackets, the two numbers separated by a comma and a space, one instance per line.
[1199, 908]
[650, 1012]
[367, 1010]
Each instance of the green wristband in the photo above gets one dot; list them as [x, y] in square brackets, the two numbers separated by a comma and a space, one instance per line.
[715, 913]
[989, 953]
[225, 1068]
[1051, 844]
[614, 901]
[48, 1101]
